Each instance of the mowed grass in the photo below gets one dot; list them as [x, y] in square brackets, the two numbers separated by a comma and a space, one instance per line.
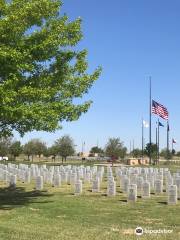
[55, 213]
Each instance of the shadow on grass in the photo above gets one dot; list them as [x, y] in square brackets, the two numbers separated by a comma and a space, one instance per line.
[163, 202]
[104, 194]
[123, 200]
[89, 190]
[17, 197]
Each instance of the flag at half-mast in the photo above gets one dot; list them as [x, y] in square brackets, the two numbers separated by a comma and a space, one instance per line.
[174, 141]
[160, 110]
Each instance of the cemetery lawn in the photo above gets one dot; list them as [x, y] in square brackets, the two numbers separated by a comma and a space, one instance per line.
[55, 213]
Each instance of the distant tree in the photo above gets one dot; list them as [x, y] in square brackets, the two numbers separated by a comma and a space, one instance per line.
[30, 149]
[40, 147]
[136, 153]
[169, 155]
[166, 154]
[5, 143]
[178, 154]
[53, 151]
[65, 147]
[15, 149]
[163, 153]
[115, 148]
[153, 151]
[46, 152]
[96, 149]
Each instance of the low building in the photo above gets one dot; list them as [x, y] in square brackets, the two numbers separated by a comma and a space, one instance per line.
[137, 161]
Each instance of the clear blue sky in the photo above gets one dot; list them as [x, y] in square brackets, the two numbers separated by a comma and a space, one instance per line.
[130, 40]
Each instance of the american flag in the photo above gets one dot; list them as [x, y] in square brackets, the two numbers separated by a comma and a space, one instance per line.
[160, 110]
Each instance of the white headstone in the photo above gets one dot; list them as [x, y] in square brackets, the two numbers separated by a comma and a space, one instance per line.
[172, 195]
[57, 180]
[12, 181]
[125, 184]
[27, 176]
[78, 187]
[39, 183]
[158, 186]
[64, 177]
[111, 189]
[73, 178]
[146, 190]
[132, 193]
[139, 184]
[96, 185]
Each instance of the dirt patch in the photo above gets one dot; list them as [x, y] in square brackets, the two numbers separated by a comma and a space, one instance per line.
[34, 209]
[128, 231]
[152, 220]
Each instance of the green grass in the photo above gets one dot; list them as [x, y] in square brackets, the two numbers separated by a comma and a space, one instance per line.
[56, 213]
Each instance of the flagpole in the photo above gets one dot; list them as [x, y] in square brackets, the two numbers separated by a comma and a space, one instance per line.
[172, 145]
[158, 140]
[133, 146]
[142, 139]
[150, 116]
[82, 148]
[167, 139]
[156, 143]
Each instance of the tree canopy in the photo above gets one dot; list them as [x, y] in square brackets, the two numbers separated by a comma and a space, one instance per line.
[167, 154]
[15, 149]
[96, 149]
[65, 147]
[153, 148]
[115, 148]
[41, 73]
[136, 153]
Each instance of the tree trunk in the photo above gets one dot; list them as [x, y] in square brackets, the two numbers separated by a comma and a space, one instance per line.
[32, 157]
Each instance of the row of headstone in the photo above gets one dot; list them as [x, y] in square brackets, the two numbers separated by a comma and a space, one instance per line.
[145, 179]
[54, 175]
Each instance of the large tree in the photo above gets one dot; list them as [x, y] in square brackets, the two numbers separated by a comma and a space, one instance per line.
[96, 149]
[65, 147]
[30, 149]
[41, 73]
[115, 148]
[34, 147]
[53, 151]
[153, 151]
[40, 147]
[15, 149]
